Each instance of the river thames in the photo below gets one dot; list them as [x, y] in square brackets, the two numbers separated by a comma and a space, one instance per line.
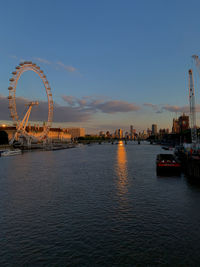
[97, 205]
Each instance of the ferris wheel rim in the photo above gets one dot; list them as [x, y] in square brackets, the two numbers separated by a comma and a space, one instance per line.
[19, 70]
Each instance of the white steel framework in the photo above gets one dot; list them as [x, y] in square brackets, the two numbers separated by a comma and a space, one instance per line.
[21, 125]
[192, 109]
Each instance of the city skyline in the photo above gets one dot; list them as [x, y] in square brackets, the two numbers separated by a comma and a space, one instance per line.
[108, 68]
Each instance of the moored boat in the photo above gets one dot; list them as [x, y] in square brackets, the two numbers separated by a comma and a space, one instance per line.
[6, 153]
[167, 163]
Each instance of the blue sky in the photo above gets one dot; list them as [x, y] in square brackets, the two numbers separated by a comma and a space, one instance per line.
[110, 56]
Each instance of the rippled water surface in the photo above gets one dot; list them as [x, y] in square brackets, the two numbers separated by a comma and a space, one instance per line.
[98, 205]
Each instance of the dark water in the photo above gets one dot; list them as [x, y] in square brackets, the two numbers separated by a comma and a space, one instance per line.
[99, 205]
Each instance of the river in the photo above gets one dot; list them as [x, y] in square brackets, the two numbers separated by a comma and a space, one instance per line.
[96, 205]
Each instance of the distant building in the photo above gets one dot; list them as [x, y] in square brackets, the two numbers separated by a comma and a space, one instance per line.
[149, 132]
[76, 132]
[108, 135]
[162, 132]
[131, 132]
[127, 135]
[101, 134]
[119, 133]
[183, 122]
[175, 126]
[144, 134]
[154, 129]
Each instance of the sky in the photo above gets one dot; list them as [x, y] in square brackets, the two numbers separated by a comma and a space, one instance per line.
[110, 64]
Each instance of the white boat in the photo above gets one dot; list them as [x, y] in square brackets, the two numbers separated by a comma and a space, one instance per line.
[6, 153]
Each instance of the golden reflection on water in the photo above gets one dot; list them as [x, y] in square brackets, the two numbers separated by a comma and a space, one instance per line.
[121, 169]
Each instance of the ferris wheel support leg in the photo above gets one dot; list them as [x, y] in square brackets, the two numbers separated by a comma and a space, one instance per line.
[28, 115]
[21, 126]
[24, 122]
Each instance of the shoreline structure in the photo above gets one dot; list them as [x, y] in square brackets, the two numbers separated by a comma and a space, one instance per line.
[54, 134]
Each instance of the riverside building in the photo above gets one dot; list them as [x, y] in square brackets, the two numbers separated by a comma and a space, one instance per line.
[55, 134]
[75, 132]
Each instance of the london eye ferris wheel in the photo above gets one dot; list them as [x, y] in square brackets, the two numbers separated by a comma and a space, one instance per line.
[21, 123]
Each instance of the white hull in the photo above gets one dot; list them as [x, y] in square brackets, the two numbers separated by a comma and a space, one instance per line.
[11, 152]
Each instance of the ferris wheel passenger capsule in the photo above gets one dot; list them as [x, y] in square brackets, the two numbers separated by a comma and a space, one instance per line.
[18, 67]
[14, 72]
[12, 79]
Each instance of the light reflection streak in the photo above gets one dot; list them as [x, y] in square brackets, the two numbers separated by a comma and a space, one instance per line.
[121, 170]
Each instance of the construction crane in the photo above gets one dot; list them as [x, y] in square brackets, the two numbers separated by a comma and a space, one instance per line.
[192, 110]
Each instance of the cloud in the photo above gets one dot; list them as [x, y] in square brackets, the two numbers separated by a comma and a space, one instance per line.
[40, 112]
[45, 61]
[82, 102]
[116, 106]
[182, 109]
[70, 114]
[174, 108]
[66, 67]
[156, 108]
[76, 110]
[150, 105]
[71, 100]
[171, 108]
[42, 60]
[95, 105]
